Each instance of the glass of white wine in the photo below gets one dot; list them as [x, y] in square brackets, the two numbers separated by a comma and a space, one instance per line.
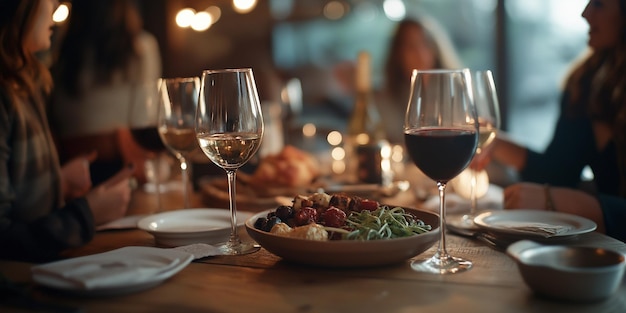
[488, 113]
[229, 128]
[176, 124]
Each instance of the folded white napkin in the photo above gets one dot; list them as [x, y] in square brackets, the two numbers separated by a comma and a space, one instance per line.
[535, 228]
[94, 275]
[121, 267]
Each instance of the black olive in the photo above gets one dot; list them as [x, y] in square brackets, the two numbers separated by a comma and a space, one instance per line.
[260, 223]
[284, 212]
[271, 222]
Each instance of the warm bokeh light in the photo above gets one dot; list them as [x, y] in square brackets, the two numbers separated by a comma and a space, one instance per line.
[61, 13]
[309, 130]
[362, 139]
[338, 153]
[201, 21]
[244, 6]
[338, 167]
[397, 153]
[215, 12]
[462, 183]
[185, 17]
[334, 138]
[334, 10]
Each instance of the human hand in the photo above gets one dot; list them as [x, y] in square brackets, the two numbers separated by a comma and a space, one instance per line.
[525, 196]
[109, 200]
[567, 200]
[76, 177]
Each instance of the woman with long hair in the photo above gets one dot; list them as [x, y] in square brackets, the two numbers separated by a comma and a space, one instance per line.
[417, 43]
[591, 131]
[44, 208]
[104, 58]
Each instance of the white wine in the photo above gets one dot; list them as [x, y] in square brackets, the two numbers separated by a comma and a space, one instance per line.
[486, 135]
[229, 151]
[179, 140]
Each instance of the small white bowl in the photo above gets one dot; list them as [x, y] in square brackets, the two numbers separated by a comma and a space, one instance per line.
[572, 273]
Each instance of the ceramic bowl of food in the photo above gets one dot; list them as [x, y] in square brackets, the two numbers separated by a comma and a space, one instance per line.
[572, 273]
[347, 253]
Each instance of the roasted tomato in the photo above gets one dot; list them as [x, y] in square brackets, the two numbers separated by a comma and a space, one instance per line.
[369, 205]
[305, 216]
[334, 217]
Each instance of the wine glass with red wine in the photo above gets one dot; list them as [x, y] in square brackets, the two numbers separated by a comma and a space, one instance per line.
[229, 128]
[143, 123]
[441, 135]
[144, 114]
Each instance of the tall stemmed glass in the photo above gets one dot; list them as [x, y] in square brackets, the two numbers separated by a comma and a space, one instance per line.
[441, 135]
[229, 128]
[142, 121]
[177, 111]
[488, 113]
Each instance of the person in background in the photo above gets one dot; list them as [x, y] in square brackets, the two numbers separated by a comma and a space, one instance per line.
[104, 57]
[418, 43]
[44, 208]
[591, 130]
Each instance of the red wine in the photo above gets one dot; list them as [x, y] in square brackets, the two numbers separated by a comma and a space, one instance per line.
[441, 153]
[148, 138]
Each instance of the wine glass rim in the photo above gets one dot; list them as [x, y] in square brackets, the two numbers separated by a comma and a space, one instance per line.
[442, 70]
[227, 70]
[180, 79]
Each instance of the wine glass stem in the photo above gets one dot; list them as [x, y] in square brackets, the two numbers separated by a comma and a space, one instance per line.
[441, 250]
[234, 240]
[185, 177]
[157, 180]
[473, 198]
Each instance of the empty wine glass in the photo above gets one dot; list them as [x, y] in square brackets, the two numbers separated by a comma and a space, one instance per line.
[229, 128]
[178, 102]
[441, 135]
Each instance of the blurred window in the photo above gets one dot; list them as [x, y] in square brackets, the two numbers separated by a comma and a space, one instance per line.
[542, 38]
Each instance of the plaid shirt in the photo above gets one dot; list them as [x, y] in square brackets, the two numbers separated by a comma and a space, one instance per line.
[35, 224]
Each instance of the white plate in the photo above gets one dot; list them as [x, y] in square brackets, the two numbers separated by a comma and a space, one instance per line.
[347, 253]
[188, 226]
[495, 220]
[172, 261]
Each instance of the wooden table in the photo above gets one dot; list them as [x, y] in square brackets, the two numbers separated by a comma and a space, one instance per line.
[261, 282]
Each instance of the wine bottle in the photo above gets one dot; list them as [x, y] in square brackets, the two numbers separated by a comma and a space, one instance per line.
[366, 139]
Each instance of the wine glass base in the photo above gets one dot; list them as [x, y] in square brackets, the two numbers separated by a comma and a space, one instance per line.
[441, 265]
[461, 221]
[240, 249]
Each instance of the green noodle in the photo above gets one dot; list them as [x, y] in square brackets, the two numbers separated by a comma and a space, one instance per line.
[383, 223]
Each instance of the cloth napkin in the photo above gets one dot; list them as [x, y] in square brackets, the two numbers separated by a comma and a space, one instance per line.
[534, 228]
[94, 275]
[124, 266]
